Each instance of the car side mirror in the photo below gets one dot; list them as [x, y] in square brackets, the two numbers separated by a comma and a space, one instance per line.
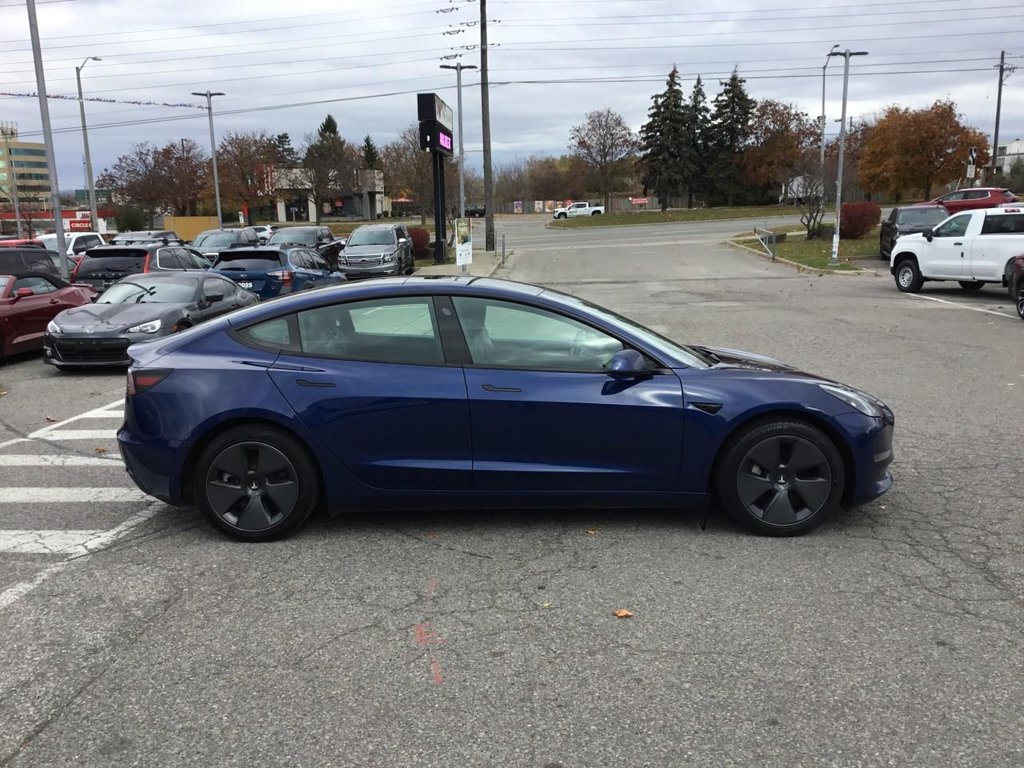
[23, 292]
[213, 298]
[627, 364]
[928, 234]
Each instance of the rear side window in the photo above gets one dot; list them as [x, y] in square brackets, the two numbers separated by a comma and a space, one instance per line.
[1009, 224]
[112, 260]
[279, 333]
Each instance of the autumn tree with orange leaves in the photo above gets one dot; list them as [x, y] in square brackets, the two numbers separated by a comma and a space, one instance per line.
[912, 152]
[779, 136]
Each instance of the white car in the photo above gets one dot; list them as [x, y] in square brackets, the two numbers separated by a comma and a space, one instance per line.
[76, 242]
[578, 209]
[264, 231]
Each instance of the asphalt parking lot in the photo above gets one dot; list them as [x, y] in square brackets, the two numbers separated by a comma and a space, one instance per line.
[133, 634]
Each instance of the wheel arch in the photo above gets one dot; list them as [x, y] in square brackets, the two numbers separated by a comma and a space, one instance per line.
[754, 420]
[188, 467]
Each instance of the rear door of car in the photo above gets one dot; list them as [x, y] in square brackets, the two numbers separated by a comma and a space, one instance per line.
[371, 380]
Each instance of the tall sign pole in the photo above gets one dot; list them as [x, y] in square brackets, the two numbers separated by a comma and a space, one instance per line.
[842, 149]
[485, 117]
[999, 109]
[435, 119]
[51, 164]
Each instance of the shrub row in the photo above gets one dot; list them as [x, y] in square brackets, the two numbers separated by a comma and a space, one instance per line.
[857, 219]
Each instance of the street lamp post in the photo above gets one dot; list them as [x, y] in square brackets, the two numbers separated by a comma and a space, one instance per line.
[213, 150]
[85, 141]
[824, 120]
[842, 146]
[462, 155]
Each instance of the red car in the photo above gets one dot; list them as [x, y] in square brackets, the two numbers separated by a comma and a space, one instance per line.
[974, 197]
[28, 303]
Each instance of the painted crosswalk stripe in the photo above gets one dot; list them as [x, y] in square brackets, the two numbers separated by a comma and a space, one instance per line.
[24, 542]
[52, 460]
[34, 495]
[77, 434]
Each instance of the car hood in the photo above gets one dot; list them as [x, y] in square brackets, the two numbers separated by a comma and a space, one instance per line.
[112, 318]
[735, 358]
[367, 250]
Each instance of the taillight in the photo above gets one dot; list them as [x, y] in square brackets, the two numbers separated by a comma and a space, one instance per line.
[145, 264]
[145, 379]
[284, 275]
[74, 271]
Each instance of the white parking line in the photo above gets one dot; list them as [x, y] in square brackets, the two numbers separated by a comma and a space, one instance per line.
[958, 305]
[56, 460]
[103, 411]
[34, 495]
[75, 434]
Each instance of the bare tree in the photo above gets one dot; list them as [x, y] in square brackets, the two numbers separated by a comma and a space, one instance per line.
[407, 170]
[245, 163]
[188, 178]
[330, 163]
[607, 145]
[138, 178]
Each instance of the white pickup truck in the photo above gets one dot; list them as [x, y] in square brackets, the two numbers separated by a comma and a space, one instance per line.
[972, 247]
[578, 209]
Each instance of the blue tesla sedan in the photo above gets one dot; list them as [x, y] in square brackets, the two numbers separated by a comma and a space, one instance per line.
[452, 392]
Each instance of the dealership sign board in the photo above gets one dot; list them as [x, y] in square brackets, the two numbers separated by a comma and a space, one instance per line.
[431, 108]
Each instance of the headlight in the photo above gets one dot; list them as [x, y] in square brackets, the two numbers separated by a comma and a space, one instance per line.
[151, 327]
[52, 327]
[857, 400]
[385, 258]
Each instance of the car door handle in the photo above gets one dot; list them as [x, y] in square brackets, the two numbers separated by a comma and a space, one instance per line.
[492, 388]
[308, 383]
[957, 243]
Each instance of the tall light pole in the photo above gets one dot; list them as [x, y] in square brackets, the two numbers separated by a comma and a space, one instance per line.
[842, 146]
[51, 164]
[213, 150]
[85, 141]
[485, 121]
[824, 119]
[462, 155]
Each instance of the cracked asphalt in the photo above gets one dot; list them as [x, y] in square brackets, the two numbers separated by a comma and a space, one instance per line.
[891, 636]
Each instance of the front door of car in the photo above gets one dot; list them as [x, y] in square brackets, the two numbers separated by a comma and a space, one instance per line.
[370, 379]
[948, 248]
[547, 417]
[31, 313]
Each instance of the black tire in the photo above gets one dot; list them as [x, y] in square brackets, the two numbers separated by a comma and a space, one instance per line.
[908, 276]
[595, 213]
[561, 216]
[971, 285]
[256, 482]
[1019, 299]
[780, 478]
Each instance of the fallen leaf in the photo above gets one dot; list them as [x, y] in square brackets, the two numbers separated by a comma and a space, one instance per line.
[2, 392]
[100, 450]
[622, 613]
[593, 531]
[545, 605]
[51, 419]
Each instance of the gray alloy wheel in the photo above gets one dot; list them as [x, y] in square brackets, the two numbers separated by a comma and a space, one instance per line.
[971, 285]
[1020, 299]
[908, 278]
[256, 482]
[780, 478]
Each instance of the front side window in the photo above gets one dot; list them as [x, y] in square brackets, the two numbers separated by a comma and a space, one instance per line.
[505, 334]
[36, 284]
[955, 227]
[400, 331]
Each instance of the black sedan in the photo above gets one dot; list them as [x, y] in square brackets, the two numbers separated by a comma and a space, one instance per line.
[907, 221]
[136, 309]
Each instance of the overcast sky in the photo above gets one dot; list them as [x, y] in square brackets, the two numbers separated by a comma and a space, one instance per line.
[284, 65]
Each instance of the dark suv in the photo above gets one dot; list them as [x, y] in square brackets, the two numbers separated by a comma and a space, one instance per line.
[907, 220]
[270, 271]
[213, 241]
[27, 261]
[146, 236]
[103, 266]
[319, 238]
[377, 250]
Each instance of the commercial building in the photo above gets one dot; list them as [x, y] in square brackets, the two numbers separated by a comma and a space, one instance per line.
[23, 172]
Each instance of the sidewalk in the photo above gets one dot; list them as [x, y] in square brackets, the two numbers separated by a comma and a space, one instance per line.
[484, 264]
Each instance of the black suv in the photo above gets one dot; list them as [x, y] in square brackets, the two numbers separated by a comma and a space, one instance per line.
[320, 238]
[907, 221]
[377, 250]
[103, 266]
[25, 261]
[213, 241]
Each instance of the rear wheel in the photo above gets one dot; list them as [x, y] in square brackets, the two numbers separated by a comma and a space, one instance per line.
[908, 277]
[595, 213]
[780, 478]
[1020, 299]
[256, 482]
[971, 285]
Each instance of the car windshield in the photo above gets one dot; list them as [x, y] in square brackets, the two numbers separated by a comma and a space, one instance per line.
[149, 292]
[921, 217]
[371, 237]
[301, 237]
[214, 239]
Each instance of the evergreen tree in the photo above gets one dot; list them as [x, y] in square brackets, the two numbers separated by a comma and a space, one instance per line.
[698, 128]
[371, 157]
[329, 127]
[284, 152]
[663, 139]
[729, 131]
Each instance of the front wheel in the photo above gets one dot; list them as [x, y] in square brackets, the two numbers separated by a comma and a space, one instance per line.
[560, 216]
[780, 478]
[908, 277]
[256, 482]
[1020, 299]
[971, 285]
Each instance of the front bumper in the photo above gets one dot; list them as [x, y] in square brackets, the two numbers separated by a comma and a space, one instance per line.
[86, 350]
[357, 272]
[872, 456]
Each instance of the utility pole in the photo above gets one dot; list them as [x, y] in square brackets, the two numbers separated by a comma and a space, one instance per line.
[213, 151]
[824, 119]
[51, 164]
[842, 147]
[999, 109]
[462, 155]
[485, 109]
[85, 140]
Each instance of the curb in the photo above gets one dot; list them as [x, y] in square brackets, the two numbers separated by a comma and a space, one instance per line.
[803, 267]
